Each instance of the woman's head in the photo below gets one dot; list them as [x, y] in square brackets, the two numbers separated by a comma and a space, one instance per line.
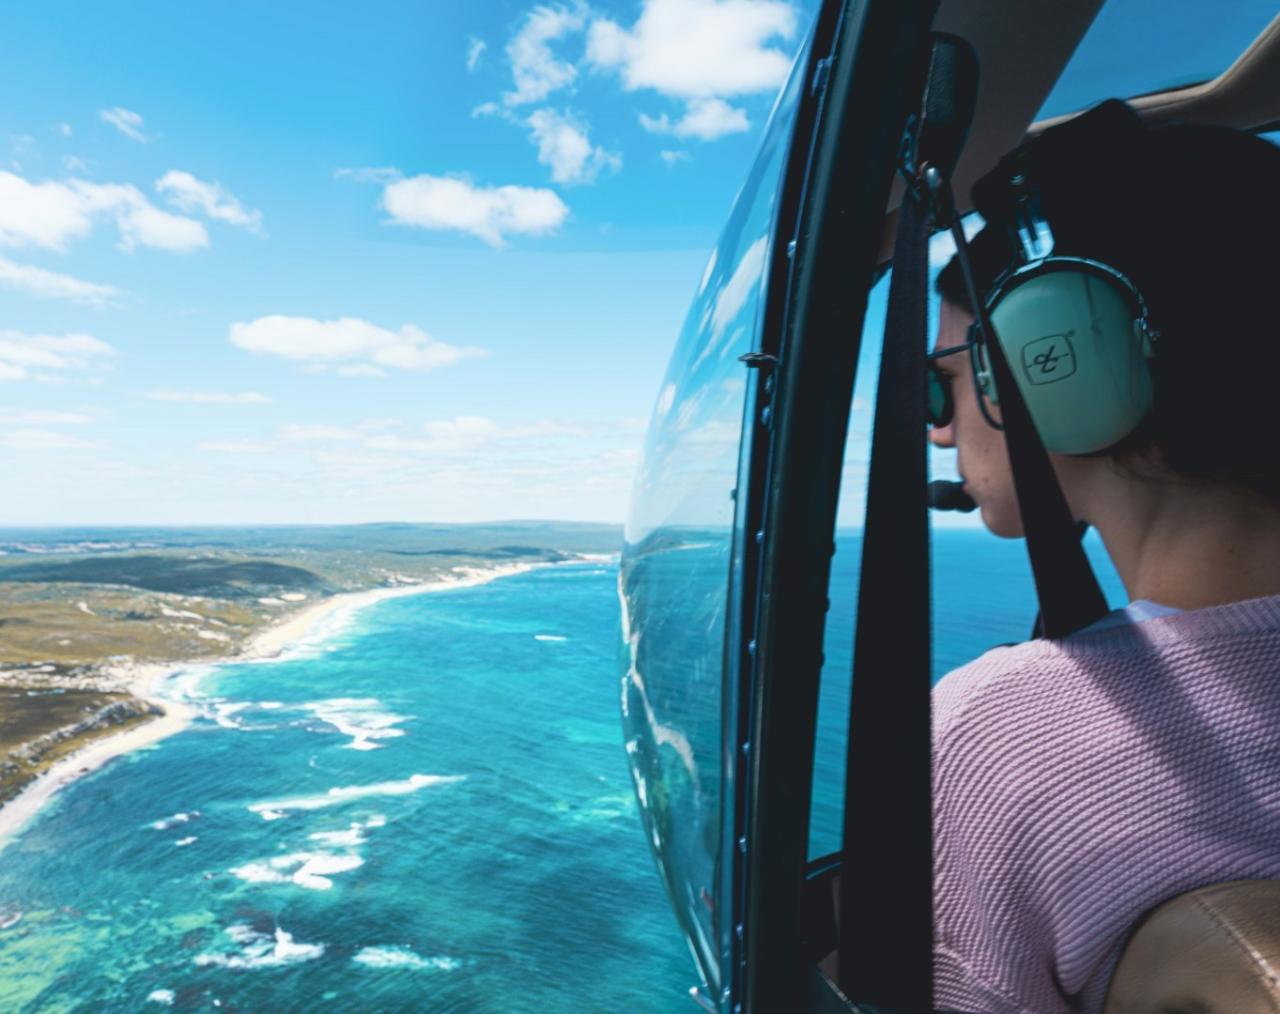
[1191, 215]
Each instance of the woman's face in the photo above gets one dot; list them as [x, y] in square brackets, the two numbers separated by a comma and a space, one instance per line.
[981, 455]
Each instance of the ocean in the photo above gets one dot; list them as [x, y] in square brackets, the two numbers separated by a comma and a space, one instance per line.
[426, 809]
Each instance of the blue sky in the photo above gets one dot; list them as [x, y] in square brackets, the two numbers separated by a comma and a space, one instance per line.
[306, 262]
[298, 262]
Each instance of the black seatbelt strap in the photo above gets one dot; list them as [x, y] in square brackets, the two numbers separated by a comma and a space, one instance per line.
[886, 900]
[886, 882]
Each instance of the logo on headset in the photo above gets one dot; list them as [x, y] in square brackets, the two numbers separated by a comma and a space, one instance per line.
[1049, 359]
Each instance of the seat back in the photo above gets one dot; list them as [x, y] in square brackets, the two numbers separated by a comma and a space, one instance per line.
[1215, 950]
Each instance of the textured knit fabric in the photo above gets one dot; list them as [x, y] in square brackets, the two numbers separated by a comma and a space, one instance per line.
[1080, 783]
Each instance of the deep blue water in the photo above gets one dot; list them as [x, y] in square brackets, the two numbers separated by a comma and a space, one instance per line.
[429, 810]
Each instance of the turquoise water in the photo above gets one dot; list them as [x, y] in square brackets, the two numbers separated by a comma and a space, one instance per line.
[428, 811]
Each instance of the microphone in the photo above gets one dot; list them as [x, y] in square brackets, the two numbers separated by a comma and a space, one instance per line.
[945, 495]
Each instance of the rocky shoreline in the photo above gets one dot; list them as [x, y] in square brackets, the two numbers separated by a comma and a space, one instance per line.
[27, 762]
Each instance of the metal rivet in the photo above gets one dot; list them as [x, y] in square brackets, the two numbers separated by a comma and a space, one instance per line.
[791, 249]
[766, 415]
[760, 537]
[751, 648]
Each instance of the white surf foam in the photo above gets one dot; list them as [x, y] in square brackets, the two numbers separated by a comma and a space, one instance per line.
[343, 793]
[224, 713]
[183, 842]
[161, 996]
[257, 950]
[350, 838]
[361, 718]
[549, 637]
[174, 821]
[402, 957]
[313, 869]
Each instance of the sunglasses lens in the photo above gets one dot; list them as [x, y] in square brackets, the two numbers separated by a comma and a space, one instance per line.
[938, 399]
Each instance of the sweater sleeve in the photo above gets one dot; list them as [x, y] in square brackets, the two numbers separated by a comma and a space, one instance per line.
[993, 950]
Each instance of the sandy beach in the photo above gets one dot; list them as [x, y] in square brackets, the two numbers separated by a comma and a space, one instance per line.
[146, 682]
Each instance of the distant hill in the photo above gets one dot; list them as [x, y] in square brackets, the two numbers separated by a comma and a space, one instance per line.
[512, 538]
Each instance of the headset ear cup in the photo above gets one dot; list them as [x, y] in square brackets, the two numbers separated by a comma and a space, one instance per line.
[1073, 336]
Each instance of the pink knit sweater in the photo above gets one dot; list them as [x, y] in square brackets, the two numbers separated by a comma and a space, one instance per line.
[1080, 783]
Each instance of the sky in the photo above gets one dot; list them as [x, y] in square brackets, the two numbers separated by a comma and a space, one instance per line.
[319, 262]
[346, 263]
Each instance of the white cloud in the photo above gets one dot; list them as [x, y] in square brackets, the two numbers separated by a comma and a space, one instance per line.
[371, 174]
[64, 129]
[491, 213]
[360, 370]
[486, 109]
[74, 164]
[189, 194]
[42, 418]
[124, 120]
[20, 353]
[564, 146]
[461, 433]
[698, 48]
[209, 397]
[701, 51]
[745, 279]
[942, 247]
[705, 119]
[52, 285]
[674, 157]
[475, 47]
[42, 440]
[465, 434]
[346, 342]
[302, 433]
[534, 67]
[237, 446]
[53, 214]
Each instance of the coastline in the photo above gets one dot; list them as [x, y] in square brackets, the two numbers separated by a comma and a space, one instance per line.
[144, 681]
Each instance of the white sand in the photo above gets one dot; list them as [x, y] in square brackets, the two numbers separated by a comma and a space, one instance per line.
[145, 682]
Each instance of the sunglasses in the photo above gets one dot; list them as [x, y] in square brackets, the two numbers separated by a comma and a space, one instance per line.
[940, 403]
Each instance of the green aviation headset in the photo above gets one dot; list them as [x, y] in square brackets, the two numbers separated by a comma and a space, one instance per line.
[1077, 339]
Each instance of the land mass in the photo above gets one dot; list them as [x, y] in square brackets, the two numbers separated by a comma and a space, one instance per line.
[89, 615]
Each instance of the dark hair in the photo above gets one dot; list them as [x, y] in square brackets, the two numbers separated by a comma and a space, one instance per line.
[1191, 214]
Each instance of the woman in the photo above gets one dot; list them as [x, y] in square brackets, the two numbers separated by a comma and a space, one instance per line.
[1081, 782]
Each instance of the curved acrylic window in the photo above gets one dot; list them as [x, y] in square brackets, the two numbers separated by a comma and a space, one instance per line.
[674, 581]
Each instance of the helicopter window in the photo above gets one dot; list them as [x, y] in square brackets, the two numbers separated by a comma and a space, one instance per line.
[1195, 43]
[826, 823]
[682, 547]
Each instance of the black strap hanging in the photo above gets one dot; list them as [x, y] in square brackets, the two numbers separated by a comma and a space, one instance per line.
[886, 895]
[886, 900]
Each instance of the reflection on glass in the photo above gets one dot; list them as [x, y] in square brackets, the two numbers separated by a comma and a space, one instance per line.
[673, 584]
